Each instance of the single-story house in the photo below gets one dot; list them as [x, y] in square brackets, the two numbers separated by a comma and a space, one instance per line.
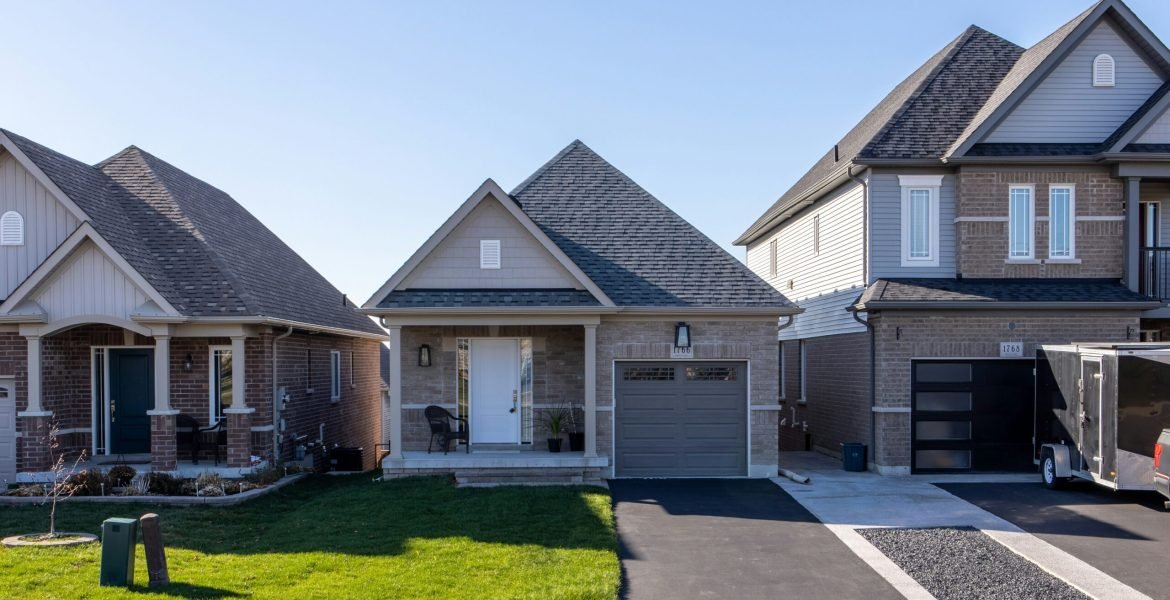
[137, 301]
[580, 291]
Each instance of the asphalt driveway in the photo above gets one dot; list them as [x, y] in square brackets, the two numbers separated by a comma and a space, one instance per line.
[1126, 535]
[730, 538]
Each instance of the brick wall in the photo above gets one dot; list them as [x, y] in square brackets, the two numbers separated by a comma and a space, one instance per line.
[754, 341]
[837, 408]
[304, 371]
[983, 245]
[904, 335]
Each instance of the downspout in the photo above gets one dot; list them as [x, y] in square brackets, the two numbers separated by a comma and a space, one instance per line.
[872, 380]
[276, 400]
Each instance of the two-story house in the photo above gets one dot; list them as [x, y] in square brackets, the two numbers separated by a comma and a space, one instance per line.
[997, 199]
[137, 301]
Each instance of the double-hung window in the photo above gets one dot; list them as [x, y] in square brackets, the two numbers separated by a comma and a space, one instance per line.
[334, 375]
[1062, 219]
[221, 381]
[1021, 222]
[920, 219]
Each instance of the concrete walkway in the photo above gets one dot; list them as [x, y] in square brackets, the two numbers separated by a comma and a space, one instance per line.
[846, 501]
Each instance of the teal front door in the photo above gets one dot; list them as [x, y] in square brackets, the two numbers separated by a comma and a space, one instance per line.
[131, 395]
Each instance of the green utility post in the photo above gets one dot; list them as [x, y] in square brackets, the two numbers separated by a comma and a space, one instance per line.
[119, 538]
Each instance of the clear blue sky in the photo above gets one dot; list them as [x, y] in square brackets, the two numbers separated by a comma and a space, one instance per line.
[353, 129]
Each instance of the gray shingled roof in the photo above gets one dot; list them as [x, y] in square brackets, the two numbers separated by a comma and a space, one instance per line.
[925, 292]
[466, 298]
[919, 119]
[638, 251]
[202, 251]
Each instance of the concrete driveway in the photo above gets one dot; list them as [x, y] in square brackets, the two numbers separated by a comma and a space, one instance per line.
[731, 538]
[1126, 535]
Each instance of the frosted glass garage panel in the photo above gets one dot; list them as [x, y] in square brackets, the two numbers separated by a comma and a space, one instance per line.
[942, 459]
[929, 372]
[942, 430]
[942, 401]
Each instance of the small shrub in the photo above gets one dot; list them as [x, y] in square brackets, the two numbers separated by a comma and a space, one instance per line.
[139, 485]
[265, 476]
[207, 478]
[164, 484]
[121, 475]
[90, 482]
[29, 490]
[211, 490]
[232, 486]
[188, 488]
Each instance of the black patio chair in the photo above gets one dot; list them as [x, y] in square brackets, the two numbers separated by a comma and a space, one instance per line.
[440, 421]
[189, 435]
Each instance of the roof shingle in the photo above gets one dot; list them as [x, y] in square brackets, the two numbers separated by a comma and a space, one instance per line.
[988, 292]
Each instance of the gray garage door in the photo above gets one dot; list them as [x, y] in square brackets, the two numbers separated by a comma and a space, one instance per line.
[681, 419]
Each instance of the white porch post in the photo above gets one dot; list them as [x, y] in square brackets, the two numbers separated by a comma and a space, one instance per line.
[162, 374]
[395, 391]
[239, 378]
[590, 391]
[34, 378]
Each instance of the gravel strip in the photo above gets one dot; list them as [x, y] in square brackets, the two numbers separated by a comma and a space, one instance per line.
[960, 563]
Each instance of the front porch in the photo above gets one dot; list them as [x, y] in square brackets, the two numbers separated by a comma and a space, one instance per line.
[492, 467]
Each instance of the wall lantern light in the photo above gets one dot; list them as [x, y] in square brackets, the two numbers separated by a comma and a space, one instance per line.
[188, 363]
[682, 335]
[424, 356]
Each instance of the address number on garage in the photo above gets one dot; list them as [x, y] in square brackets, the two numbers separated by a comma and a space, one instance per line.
[1011, 349]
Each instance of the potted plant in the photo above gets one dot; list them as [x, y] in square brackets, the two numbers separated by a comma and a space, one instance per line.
[576, 436]
[554, 421]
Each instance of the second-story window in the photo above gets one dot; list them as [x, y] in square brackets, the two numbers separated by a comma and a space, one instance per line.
[920, 220]
[1021, 219]
[1062, 222]
[773, 257]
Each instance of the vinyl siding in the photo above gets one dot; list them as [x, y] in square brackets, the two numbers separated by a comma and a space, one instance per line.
[825, 315]
[814, 277]
[1066, 108]
[885, 194]
[88, 283]
[46, 223]
[525, 263]
[1158, 132]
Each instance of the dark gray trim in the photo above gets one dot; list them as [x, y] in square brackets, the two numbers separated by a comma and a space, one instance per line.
[992, 305]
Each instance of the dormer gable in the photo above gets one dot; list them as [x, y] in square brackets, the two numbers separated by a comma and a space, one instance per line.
[33, 221]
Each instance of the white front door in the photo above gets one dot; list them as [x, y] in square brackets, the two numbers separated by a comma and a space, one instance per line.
[495, 388]
[7, 431]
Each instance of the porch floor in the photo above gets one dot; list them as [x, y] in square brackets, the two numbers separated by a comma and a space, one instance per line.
[488, 459]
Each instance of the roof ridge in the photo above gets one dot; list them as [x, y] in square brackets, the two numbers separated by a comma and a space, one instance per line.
[547, 165]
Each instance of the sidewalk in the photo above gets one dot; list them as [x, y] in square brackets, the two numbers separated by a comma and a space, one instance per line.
[846, 501]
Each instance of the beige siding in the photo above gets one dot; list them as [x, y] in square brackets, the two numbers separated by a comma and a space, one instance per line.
[88, 283]
[525, 263]
[1066, 108]
[46, 223]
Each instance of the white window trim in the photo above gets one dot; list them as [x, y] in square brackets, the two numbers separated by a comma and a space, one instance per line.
[335, 375]
[773, 258]
[19, 235]
[933, 184]
[1031, 256]
[803, 372]
[352, 381]
[484, 245]
[212, 384]
[1072, 223]
[1099, 78]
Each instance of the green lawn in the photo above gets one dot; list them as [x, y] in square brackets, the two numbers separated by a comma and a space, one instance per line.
[345, 537]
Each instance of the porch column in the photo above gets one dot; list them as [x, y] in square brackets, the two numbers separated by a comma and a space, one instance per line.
[163, 446]
[35, 420]
[1133, 237]
[239, 415]
[590, 391]
[395, 391]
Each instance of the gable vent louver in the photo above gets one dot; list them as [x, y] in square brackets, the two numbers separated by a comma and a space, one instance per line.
[11, 229]
[1104, 71]
[489, 254]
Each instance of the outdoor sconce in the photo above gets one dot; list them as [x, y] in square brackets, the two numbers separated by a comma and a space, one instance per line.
[682, 335]
[188, 363]
[424, 356]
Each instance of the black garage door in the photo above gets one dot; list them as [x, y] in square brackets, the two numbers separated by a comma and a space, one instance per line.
[680, 419]
[972, 415]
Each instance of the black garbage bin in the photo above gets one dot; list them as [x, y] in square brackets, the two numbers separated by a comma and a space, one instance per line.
[853, 456]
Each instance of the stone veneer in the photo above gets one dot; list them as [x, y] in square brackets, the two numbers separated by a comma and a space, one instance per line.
[904, 335]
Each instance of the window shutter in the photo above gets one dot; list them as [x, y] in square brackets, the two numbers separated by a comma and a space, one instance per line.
[1103, 71]
[11, 229]
[489, 254]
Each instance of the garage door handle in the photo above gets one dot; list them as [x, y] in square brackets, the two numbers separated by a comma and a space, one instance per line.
[513, 409]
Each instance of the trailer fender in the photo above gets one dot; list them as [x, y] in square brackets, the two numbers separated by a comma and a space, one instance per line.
[1062, 455]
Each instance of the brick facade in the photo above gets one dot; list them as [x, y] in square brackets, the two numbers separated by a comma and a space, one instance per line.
[982, 245]
[901, 336]
[837, 407]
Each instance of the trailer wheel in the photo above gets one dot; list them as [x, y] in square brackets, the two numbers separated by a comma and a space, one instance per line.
[1048, 471]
